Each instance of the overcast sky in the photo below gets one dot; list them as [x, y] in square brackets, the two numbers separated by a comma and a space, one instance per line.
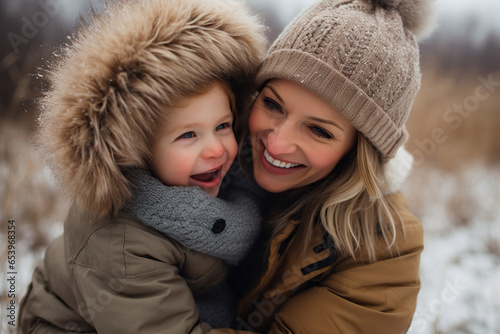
[469, 18]
[456, 17]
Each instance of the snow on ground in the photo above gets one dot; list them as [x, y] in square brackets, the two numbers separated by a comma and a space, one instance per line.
[460, 265]
[29, 195]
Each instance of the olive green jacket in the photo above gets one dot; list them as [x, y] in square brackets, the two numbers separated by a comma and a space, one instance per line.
[117, 276]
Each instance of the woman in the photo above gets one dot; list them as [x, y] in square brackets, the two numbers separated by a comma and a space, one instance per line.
[336, 89]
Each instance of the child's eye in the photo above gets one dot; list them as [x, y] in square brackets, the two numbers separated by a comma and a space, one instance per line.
[320, 132]
[271, 104]
[223, 126]
[187, 135]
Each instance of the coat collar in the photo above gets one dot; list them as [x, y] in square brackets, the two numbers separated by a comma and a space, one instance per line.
[287, 269]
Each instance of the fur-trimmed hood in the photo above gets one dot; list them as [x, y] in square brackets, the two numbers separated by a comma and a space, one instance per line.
[125, 67]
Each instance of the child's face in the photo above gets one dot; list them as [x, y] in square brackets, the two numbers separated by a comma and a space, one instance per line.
[195, 145]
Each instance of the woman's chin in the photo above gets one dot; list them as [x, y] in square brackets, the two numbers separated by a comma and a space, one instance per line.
[269, 182]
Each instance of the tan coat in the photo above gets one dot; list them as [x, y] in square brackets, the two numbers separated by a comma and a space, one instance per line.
[322, 293]
[117, 276]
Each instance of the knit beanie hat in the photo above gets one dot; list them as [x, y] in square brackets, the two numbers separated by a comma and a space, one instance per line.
[362, 57]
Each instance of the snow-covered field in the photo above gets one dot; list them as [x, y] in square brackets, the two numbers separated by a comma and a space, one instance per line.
[460, 265]
[29, 196]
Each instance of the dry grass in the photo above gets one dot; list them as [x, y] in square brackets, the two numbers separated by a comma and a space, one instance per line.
[444, 137]
[29, 196]
[454, 127]
[493, 247]
[27, 191]
[455, 138]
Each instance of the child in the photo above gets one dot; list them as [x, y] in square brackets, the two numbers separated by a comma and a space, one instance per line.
[146, 84]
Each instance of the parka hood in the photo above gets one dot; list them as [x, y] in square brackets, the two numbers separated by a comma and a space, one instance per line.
[125, 67]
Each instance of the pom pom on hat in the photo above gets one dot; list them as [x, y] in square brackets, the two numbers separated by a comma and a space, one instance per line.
[417, 15]
[397, 169]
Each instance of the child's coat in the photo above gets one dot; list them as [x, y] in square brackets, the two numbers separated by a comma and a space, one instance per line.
[117, 277]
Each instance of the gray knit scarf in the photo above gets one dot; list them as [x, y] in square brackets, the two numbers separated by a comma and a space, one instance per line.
[224, 228]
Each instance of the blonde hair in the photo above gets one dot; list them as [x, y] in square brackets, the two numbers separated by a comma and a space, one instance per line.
[350, 204]
[226, 87]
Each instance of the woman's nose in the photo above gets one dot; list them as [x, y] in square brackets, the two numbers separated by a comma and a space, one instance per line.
[213, 149]
[282, 140]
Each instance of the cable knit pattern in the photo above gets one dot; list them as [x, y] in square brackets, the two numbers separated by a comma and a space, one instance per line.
[224, 229]
[360, 56]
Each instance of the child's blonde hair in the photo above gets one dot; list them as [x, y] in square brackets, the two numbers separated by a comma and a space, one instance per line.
[224, 85]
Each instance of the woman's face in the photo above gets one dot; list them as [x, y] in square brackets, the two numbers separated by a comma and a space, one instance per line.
[297, 137]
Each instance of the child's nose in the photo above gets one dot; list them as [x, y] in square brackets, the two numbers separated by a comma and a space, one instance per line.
[213, 149]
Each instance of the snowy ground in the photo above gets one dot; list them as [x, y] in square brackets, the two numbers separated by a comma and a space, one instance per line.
[460, 266]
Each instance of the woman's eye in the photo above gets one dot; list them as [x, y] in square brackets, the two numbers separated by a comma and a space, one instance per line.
[320, 132]
[223, 126]
[187, 135]
[271, 104]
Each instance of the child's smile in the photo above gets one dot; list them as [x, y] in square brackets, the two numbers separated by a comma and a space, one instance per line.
[208, 179]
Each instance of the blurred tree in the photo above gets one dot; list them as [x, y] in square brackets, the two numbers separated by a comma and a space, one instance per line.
[472, 47]
[31, 29]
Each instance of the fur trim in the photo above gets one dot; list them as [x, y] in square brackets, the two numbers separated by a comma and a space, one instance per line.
[126, 67]
[397, 169]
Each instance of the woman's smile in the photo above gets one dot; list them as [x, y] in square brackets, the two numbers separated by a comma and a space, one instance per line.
[297, 138]
[278, 163]
[276, 166]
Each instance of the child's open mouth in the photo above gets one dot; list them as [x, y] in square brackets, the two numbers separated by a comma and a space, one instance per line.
[208, 179]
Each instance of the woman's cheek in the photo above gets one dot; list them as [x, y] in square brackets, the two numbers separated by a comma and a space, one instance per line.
[255, 121]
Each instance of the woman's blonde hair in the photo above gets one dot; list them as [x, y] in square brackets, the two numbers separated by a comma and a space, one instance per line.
[350, 204]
